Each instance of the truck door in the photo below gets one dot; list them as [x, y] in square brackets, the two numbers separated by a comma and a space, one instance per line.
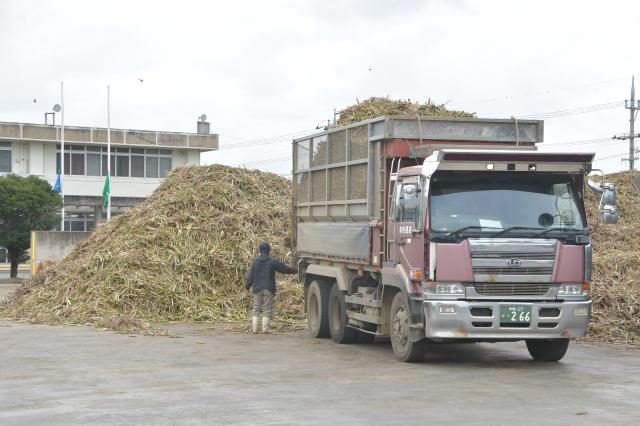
[406, 240]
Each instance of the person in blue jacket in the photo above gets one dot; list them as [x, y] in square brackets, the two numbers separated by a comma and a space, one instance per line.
[261, 278]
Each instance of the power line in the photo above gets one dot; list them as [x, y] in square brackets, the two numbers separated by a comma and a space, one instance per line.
[609, 156]
[269, 161]
[267, 141]
[579, 142]
[572, 111]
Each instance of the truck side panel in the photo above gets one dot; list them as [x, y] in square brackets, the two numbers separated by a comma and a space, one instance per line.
[330, 240]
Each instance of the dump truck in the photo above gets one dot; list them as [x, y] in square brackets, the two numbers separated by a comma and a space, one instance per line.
[439, 230]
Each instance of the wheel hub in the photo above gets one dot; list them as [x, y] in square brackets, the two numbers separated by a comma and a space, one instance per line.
[401, 326]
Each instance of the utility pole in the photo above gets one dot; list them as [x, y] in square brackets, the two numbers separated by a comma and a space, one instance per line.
[632, 105]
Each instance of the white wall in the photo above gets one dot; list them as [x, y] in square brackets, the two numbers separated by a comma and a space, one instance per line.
[36, 158]
[193, 157]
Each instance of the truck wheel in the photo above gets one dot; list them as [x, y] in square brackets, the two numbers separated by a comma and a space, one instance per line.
[547, 350]
[317, 306]
[340, 333]
[404, 349]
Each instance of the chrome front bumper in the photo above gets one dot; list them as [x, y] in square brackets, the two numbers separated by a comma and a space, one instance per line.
[481, 320]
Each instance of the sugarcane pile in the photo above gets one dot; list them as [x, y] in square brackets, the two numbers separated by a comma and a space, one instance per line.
[181, 255]
[375, 107]
[616, 265]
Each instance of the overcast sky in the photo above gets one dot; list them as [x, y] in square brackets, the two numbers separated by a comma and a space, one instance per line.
[270, 69]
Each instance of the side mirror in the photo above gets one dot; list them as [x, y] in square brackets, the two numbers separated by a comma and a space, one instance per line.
[609, 195]
[608, 208]
[609, 214]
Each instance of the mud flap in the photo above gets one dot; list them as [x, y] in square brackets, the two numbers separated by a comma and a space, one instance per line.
[417, 326]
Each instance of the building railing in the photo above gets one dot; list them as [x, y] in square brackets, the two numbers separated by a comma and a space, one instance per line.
[98, 135]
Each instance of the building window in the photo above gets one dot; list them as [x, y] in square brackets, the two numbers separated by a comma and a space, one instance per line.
[83, 160]
[5, 157]
[137, 163]
[151, 167]
[93, 163]
[122, 162]
[77, 222]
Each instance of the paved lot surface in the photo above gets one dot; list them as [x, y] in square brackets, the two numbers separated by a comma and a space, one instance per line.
[6, 288]
[78, 375]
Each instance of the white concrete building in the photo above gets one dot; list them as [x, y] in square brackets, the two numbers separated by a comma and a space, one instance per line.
[139, 161]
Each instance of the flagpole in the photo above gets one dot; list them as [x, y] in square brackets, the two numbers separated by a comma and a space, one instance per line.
[62, 153]
[109, 151]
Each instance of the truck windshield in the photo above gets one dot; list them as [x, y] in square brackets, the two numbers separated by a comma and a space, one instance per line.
[501, 203]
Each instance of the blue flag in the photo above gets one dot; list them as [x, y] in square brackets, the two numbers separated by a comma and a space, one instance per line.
[56, 186]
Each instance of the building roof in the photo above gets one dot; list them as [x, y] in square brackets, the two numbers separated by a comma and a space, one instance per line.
[98, 135]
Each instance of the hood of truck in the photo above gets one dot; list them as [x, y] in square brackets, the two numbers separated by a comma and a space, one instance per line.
[509, 260]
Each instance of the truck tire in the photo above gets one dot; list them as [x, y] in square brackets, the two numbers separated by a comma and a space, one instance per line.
[547, 350]
[317, 306]
[403, 348]
[340, 333]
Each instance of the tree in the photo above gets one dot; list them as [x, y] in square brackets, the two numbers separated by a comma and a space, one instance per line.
[26, 204]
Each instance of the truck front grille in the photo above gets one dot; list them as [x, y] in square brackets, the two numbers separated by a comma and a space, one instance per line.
[512, 261]
[511, 289]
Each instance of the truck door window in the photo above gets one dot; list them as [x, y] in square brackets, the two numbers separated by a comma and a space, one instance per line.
[407, 205]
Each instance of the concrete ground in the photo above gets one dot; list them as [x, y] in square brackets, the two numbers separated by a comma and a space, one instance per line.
[7, 286]
[79, 375]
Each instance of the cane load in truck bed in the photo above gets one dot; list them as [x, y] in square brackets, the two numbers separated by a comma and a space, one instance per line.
[341, 176]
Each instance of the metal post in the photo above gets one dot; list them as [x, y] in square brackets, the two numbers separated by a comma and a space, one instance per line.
[632, 119]
[62, 153]
[109, 150]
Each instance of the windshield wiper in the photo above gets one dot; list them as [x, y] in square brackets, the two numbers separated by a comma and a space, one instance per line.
[514, 228]
[456, 232]
[557, 229]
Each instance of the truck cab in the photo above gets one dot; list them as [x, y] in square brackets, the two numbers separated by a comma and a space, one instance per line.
[502, 242]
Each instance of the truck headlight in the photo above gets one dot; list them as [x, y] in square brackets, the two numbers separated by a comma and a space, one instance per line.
[444, 288]
[573, 290]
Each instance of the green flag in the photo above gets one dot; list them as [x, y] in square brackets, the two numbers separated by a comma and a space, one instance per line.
[106, 190]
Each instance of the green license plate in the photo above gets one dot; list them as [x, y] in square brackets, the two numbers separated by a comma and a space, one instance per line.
[515, 314]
